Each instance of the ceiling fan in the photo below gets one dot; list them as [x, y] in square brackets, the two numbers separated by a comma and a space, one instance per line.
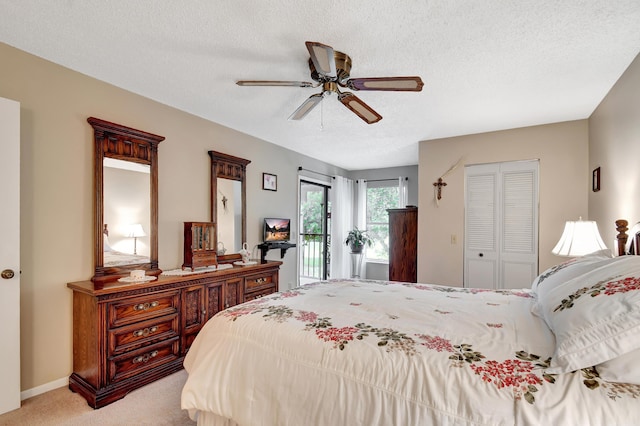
[330, 69]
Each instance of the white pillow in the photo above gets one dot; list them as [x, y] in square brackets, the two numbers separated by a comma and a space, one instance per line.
[595, 316]
[623, 369]
[105, 246]
[565, 271]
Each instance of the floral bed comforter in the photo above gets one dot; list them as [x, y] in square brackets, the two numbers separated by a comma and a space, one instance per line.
[357, 352]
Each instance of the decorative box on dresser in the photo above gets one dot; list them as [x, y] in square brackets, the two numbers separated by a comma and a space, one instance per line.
[403, 244]
[126, 335]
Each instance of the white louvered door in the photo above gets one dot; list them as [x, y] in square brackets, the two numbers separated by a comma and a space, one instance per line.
[481, 221]
[501, 225]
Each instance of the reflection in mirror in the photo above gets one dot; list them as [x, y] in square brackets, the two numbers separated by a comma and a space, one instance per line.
[229, 215]
[127, 195]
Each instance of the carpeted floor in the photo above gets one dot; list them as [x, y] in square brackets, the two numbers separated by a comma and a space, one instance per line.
[155, 404]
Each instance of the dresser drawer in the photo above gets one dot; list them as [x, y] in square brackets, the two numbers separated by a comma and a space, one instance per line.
[142, 308]
[260, 293]
[256, 282]
[140, 334]
[131, 363]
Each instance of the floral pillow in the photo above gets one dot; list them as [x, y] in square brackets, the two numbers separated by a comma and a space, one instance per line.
[595, 316]
[565, 271]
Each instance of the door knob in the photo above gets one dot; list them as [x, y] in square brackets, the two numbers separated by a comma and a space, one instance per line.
[7, 274]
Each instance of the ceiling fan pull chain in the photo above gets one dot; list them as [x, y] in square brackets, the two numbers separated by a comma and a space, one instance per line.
[321, 116]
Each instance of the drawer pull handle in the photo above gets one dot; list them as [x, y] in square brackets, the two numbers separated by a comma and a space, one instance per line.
[261, 280]
[145, 357]
[145, 306]
[145, 332]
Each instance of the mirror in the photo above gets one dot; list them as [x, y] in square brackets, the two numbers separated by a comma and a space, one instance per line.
[229, 216]
[126, 212]
[228, 203]
[126, 201]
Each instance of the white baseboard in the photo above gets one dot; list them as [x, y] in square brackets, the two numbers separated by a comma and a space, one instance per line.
[38, 390]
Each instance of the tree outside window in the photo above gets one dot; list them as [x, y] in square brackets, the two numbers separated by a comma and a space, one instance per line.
[379, 199]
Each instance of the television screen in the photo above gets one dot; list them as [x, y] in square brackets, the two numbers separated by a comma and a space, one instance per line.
[277, 229]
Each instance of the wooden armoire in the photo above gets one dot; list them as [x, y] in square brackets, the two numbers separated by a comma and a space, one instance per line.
[403, 244]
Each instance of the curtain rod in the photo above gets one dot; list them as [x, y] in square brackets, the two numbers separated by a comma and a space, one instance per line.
[318, 173]
[383, 180]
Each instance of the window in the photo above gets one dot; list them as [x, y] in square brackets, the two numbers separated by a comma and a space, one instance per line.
[382, 196]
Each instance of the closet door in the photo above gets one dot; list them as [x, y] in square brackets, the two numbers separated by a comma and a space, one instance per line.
[501, 225]
[519, 224]
[481, 223]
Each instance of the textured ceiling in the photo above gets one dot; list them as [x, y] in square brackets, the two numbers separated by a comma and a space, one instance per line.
[487, 65]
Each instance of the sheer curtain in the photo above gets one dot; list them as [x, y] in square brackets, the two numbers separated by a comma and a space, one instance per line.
[341, 224]
[403, 198]
[361, 219]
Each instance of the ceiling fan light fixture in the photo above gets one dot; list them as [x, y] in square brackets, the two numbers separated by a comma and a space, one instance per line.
[306, 107]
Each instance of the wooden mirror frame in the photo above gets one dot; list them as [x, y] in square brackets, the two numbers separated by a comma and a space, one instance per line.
[227, 166]
[123, 143]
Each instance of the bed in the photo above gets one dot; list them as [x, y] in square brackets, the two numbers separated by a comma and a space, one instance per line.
[362, 352]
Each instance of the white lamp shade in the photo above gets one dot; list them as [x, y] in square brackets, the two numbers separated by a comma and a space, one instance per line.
[135, 230]
[579, 238]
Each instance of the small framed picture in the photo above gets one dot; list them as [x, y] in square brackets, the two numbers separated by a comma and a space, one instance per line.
[596, 180]
[269, 182]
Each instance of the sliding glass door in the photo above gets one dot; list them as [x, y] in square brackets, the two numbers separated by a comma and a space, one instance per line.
[314, 225]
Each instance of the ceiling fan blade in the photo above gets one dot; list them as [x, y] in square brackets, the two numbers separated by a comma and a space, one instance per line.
[361, 109]
[323, 58]
[396, 84]
[275, 83]
[306, 106]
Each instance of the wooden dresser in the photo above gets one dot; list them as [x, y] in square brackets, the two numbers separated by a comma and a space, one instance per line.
[403, 244]
[128, 335]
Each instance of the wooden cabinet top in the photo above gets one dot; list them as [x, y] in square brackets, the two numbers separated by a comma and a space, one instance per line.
[164, 282]
[404, 209]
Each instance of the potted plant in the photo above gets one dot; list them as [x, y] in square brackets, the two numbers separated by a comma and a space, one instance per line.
[356, 239]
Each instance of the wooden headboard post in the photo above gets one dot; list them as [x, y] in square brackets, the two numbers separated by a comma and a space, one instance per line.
[622, 228]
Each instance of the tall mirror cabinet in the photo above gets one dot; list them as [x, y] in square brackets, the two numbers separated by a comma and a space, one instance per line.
[127, 331]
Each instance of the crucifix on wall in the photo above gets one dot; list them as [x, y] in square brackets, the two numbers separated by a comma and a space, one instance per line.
[439, 184]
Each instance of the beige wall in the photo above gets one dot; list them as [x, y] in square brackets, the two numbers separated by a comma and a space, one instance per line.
[564, 181]
[57, 186]
[614, 146]
[57, 191]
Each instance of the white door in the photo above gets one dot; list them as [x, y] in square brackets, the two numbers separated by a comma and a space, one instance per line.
[501, 225]
[9, 255]
[480, 227]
